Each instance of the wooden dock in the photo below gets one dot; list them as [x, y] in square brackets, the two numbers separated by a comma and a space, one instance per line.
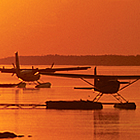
[86, 105]
[22, 106]
[31, 106]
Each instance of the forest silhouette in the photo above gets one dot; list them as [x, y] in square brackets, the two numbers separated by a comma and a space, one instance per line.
[103, 60]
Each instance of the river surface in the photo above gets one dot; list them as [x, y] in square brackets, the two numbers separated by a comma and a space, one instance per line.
[41, 124]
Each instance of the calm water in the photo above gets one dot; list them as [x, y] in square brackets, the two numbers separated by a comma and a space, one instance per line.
[108, 123]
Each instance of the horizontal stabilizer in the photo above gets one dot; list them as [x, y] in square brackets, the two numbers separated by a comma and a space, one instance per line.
[3, 70]
[83, 87]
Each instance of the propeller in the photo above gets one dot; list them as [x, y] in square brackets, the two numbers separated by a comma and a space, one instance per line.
[52, 65]
[13, 65]
[14, 68]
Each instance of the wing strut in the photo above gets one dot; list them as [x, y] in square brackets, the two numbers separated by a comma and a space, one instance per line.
[98, 97]
[119, 97]
[129, 84]
[87, 82]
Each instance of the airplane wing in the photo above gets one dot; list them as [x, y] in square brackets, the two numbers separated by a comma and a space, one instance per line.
[122, 77]
[62, 69]
[13, 70]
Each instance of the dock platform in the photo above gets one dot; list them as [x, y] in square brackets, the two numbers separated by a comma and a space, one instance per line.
[74, 105]
[22, 106]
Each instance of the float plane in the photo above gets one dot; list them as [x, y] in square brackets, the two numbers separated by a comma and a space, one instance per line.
[33, 75]
[105, 84]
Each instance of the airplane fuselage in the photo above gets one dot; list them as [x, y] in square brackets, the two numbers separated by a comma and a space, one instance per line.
[28, 76]
[107, 86]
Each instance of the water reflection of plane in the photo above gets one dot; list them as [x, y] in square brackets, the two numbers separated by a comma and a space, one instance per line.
[32, 75]
[106, 124]
[106, 84]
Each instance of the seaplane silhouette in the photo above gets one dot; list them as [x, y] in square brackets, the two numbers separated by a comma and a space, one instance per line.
[105, 84]
[33, 75]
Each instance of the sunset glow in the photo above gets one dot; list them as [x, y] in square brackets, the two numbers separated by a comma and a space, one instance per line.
[88, 27]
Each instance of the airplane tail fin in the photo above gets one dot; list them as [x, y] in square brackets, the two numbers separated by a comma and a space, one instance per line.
[95, 79]
[17, 62]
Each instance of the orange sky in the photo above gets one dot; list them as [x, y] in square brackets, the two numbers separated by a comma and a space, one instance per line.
[79, 27]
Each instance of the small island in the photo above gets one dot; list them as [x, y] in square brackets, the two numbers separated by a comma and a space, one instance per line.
[9, 135]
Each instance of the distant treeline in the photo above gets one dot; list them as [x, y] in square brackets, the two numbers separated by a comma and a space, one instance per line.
[104, 60]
